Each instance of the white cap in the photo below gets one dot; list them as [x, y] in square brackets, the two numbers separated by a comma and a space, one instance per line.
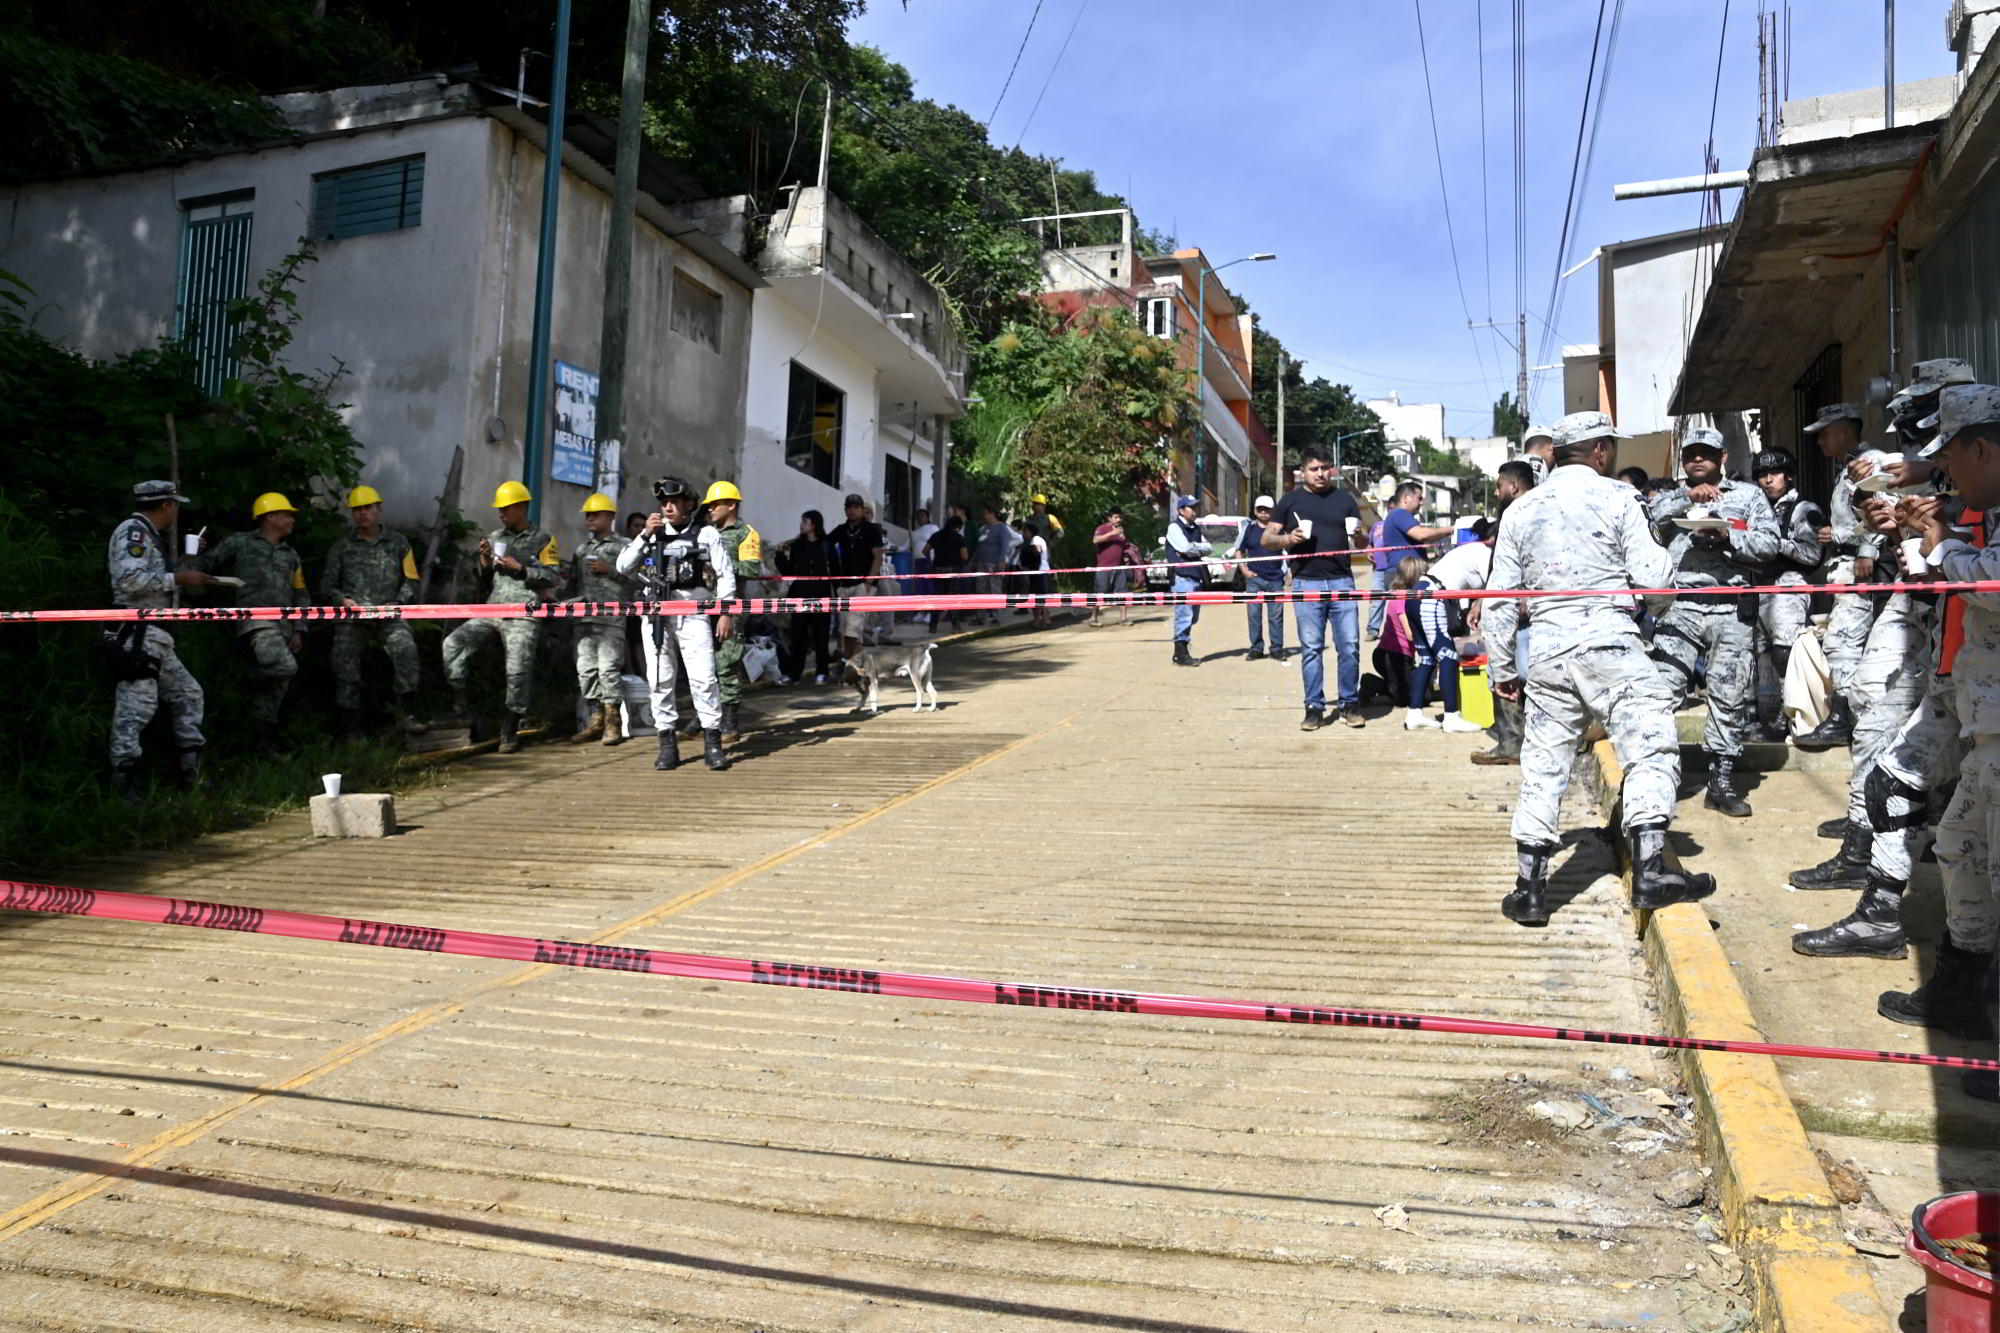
[1263, 502]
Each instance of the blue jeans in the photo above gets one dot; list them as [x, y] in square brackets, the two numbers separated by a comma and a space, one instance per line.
[1346, 619]
[1184, 615]
[1380, 605]
[1275, 613]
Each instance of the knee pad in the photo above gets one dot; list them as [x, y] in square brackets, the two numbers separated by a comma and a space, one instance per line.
[1894, 806]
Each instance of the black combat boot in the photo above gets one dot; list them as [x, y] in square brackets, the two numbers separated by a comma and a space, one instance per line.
[1509, 723]
[730, 733]
[1723, 798]
[1835, 829]
[510, 733]
[1874, 929]
[712, 752]
[1838, 729]
[1524, 906]
[406, 716]
[1653, 885]
[1845, 869]
[1954, 998]
[1182, 657]
[187, 773]
[123, 785]
[461, 710]
[670, 751]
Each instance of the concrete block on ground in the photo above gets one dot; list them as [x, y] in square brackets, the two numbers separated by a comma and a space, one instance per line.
[361, 815]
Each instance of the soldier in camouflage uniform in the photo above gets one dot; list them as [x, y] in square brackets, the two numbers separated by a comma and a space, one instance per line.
[745, 547]
[142, 656]
[600, 640]
[1782, 616]
[272, 575]
[372, 566]
[1851, 551]
[524, 563]
[1582, 529]
[1717, 626]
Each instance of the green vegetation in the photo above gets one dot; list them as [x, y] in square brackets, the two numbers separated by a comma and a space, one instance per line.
[1508, 418]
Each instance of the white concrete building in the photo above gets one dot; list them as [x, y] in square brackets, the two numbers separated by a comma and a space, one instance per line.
[1409, 422]
[422, 198]
[1485, 452]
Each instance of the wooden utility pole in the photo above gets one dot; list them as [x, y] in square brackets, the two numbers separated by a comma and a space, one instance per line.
[618, 246]
[1278, 483]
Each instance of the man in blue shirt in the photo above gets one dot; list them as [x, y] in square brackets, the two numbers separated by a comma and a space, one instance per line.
[1263, 571]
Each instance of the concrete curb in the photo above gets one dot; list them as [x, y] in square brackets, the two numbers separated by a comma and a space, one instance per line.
[1783, 1218]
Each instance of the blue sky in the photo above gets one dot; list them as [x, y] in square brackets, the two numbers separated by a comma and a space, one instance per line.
[1301, 126]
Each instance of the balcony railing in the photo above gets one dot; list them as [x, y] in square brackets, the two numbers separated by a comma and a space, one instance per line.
[850, 263]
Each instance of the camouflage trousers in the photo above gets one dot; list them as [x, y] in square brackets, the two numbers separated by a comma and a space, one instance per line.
[1616, 684]
[1885, 689]
[517, 637]
[1712, 629]
[135, 701]
[1923, 756]
[600, 660]
[350, 638]
[1847, 627]
[729, 662]
[1782, 615]
[1965, 838]
[272, 667]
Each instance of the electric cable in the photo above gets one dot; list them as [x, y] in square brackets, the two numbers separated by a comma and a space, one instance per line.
[1016, 65]
[1437, 148]
[1060, 52]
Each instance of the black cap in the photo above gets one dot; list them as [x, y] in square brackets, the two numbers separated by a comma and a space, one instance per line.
[667, 487]
[1774, 460]
[853, 500]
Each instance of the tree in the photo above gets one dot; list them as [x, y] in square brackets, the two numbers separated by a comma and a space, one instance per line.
[1508, 419]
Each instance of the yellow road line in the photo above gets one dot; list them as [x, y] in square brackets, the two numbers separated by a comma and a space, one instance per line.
[79, 1188]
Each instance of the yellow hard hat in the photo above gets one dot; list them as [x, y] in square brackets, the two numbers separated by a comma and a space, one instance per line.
[511, 493]
[363, 495]
[1038, 498]
[270, 502]
[600, 503]
[722, 490]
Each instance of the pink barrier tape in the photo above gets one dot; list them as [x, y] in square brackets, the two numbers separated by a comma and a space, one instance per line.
[974, 601]
[60, 900]
[1223, 557]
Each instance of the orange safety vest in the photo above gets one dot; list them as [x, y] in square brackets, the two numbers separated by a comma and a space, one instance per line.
[1953, 637]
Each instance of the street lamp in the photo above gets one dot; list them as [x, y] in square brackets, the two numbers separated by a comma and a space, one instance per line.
[1201, 347]
[1351, 435]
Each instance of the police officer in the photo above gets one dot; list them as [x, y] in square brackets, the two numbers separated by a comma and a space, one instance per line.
[1583, 529]
[600, 640]
[745, 549]
[677, 557]
[142, 656]
[524, 563]
[1186, 548]
[272, 575]
[1538, 451]
[1711, 625]
[1781, 615]
[372, 566]
[1851, 552]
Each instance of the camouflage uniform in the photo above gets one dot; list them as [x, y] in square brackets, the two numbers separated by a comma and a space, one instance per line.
[1888, 683]
[1924, 755]
[141, 576]
[381, 572]
[1783, 614]
[745, 548]
[541, 569]
[1853, 612]
[1582, 530]
[600, 640]
[1718, 627]
[273, 575]
[1965, 836]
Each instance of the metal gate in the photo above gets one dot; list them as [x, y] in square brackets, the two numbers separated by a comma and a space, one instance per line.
[1958, 288]
[215, 262]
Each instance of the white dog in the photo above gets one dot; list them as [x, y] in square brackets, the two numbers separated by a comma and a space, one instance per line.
[868, 668]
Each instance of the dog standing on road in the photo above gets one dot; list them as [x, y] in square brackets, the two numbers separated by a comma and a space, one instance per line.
[868, 668]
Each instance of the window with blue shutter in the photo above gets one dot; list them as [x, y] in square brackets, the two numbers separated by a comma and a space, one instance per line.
[382, 196]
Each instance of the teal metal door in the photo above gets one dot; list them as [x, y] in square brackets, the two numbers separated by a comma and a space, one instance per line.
[215, 262]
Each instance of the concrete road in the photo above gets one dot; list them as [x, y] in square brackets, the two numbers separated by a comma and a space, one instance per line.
[205, 1131]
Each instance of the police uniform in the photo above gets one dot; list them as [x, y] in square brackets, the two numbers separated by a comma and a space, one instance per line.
[744, 548]
[1580, 529]
[149, 670]
[541, 570]
[600, 640]
[1711, 625]
[677, 564]
[273, 575]
[378, 571]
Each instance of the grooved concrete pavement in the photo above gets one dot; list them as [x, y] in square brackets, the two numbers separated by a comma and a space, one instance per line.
[218, 1132]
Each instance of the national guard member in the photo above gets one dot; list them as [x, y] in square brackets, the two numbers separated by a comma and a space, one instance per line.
[1705, 624]
[524, 563]
[272, 575]
[142, 655]
[1538, 451]
[677, 557]
[372, 566]
[1583, 529]
[1851, 554]
[600, 640]
[1781, 615]
[746, 551]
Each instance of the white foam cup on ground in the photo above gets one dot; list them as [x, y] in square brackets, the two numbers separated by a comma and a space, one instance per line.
[330, 781]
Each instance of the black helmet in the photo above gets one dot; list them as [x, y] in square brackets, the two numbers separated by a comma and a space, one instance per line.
[667, 488]
[1774, 460]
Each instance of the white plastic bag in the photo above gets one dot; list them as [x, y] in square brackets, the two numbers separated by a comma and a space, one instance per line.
[1808, 685]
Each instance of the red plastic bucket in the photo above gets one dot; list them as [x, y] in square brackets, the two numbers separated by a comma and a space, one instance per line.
[1957, 1299]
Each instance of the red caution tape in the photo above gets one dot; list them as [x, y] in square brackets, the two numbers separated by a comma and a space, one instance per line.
[58, 899]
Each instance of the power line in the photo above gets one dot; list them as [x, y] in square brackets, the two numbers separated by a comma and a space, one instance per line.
[1016, 65]
[1437, 148]
[1485, 206]
[1052, 73]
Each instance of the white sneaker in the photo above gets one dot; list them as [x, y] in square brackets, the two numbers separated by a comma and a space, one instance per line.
[1453, 722]
[1416, 721]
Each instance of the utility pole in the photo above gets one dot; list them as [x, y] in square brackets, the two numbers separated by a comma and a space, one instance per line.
[618, 245]
[826, 137]
[536, 434]
[1278, 483]
[1521, 375]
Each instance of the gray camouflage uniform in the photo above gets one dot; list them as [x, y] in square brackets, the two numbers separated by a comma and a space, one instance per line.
[273, 575]
[1783, 614]
[1717, 627]
[1853, 612]
[600, 640]
[541, 569]
[1965, 836]
[1888, 683]
[1582, 530]
[141, 576]
[381, 572]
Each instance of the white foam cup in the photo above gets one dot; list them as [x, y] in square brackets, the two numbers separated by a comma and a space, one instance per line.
[330, 781]
[499, 551]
